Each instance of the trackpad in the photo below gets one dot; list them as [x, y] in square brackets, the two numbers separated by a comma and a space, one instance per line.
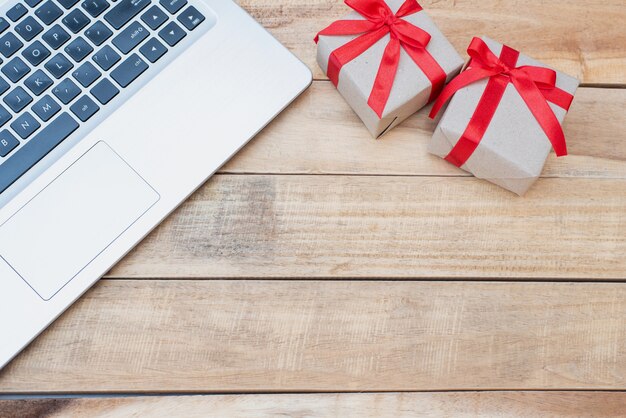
[76, 217]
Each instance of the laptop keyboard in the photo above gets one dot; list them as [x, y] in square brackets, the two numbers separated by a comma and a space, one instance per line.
[65, 61]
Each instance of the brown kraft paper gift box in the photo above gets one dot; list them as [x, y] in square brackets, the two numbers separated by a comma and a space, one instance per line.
[411, 88]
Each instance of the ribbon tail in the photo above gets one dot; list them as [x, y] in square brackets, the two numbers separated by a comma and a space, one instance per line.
[385, 77]
[541, 110]
[430, 67]
[467, 77]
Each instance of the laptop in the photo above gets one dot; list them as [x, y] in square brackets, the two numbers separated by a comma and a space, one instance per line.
[112, 112]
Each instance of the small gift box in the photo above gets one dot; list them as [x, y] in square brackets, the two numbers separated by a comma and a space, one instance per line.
[387, 59]
[504, 116]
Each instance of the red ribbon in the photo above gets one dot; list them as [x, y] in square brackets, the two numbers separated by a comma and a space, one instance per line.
[536, 85]
[380, 21]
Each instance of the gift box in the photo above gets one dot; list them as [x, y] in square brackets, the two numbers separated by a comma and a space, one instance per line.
[504, 116]
[387, 59]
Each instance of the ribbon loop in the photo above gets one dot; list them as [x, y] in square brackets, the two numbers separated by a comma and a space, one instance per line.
[380, 21]
[536, 86]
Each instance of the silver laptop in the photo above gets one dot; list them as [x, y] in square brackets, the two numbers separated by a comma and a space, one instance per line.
[112, 112]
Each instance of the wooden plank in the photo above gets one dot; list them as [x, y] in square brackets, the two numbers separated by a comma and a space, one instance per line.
[319, 134]
[362, 405]
[388, 227]
[583, 39]
[282, 336]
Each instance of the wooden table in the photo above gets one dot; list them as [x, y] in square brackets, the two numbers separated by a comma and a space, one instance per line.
[320, 261]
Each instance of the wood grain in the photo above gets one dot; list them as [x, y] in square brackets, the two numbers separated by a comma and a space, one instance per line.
[266, 336]
[362, 405]
[382, 227]
[583, 38]
[320, 134]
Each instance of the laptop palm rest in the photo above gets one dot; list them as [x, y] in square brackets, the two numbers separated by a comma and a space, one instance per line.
[52, 238]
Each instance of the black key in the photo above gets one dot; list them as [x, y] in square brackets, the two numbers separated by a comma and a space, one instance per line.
[15, 69]
[172, 33]
[173, 6]
[46, 107]
[67, 3]
[17, 99]
[84, 108]
[130, 37]
[28, 28]
[106, 58]
[35, 149]
[86, 74]
[98, 33]
[25, 125]
[38, 82]
[129, 70]
[4, 86]
[5, 116]
[36, 53]
[56, 37]
[7, 143]
[66, 91]
[154, 17]
[48, 12]
[191, 18]
[16, 12]
[153, 50]
[125, 10]
[58, 65]
[78, 49]
[33, 3]
[76, 21]
[104, 91]
[95, 7]
[4, 25]
[9, 44]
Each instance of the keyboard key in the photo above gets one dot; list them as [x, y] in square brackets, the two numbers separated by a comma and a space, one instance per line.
[78, 49]
[4, 86]
[56, 37]
[25, 125]
[76, 21]
[84, 108]
[95, 7]
[58, 65]
[35, 53]
[173, 6]
[191, 18]
[67, 3]
[35, 149]
[7, 143]
[38, 82]
[153, 50]
[106, 58]
[172, 33]
[98, 33]
[16, 12]
[4, 25]
[48, 12]
[46, 108]
[86, 74]
[9, 44]
[15, 69]
[129, 70]
[104, 91]
[28, 28]
[154, 17]
[130, 37]
[17, 99]
[125, 10]
[32, 3]
[5, 116]
[66, 91]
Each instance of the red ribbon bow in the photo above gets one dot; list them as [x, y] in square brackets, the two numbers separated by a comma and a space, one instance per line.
[380, 21]
[536, 85]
